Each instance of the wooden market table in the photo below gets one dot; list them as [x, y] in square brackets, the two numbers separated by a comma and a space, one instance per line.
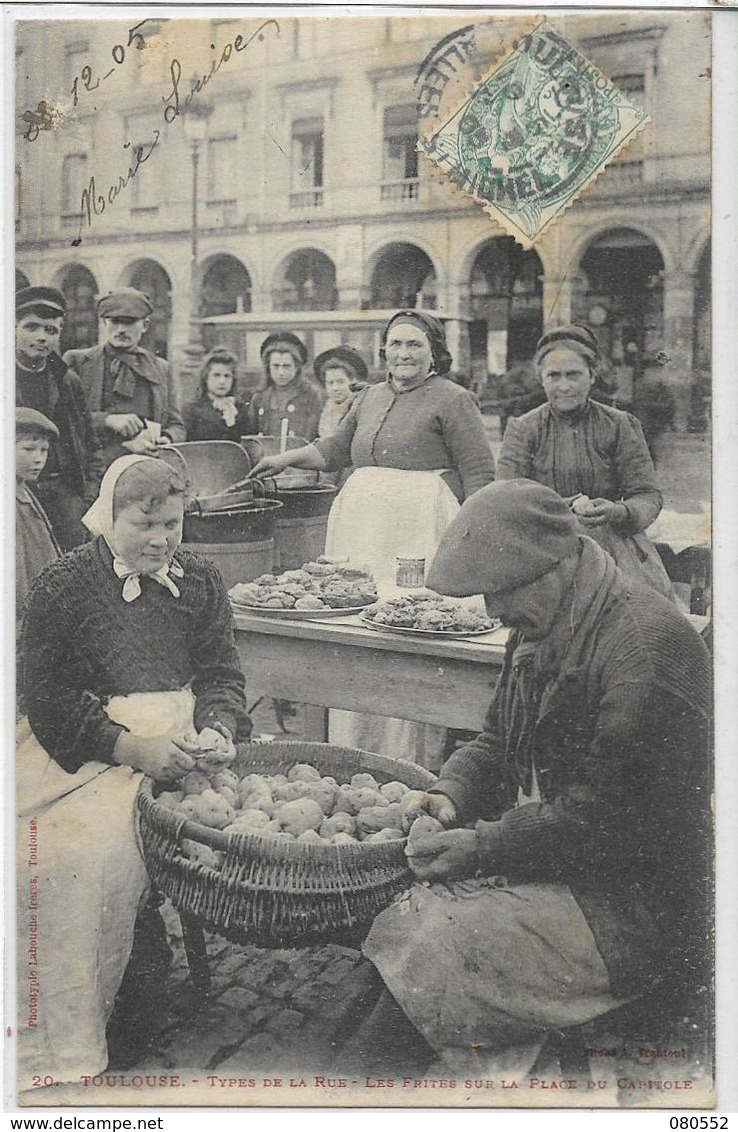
[339, 663]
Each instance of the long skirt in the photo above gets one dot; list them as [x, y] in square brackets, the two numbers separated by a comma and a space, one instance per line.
[81, 879]
[483, 972]
[380, 514]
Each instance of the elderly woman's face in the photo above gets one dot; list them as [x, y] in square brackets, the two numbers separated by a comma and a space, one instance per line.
[219, 380]
[337, 384]
[146, 540]
[409, 354]
[566, 379]
[282, 367]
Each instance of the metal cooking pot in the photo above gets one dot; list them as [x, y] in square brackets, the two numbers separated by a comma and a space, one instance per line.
[248, 522]
[306, 502]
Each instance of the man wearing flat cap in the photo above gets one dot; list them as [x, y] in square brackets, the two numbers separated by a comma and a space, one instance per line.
[567, 871]
[130, 391]
[46, 384]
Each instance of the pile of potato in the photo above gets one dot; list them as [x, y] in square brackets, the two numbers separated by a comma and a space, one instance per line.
[322, 584]
[302, 806]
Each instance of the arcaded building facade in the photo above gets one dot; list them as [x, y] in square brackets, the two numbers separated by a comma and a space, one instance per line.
[314, 209]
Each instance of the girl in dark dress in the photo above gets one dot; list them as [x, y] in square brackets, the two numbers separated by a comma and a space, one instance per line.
[217, 414]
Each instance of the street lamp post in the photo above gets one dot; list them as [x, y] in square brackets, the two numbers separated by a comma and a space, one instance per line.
[195, 125]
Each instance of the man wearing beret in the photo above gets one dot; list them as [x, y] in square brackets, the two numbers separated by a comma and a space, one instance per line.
[565, 853]
[44, 382]
[130, 392]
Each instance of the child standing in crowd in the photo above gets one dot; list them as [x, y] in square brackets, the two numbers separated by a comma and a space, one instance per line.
[35, 545]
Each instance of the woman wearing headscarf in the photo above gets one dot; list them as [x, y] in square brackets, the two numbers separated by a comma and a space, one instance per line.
[217, 414]
[418, 444]
[284, 393]
[595, 456]
[419, 447]
[341, 372]
[127, 651]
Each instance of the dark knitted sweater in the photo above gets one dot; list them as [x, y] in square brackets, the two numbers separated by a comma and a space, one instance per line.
[620, 744]
[82, 644]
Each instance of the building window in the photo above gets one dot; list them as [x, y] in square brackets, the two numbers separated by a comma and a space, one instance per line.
[628, 165]
[75, 58]
[223, 173]
[399, 154]
[74, 180]
[307, 163]
[144, 187]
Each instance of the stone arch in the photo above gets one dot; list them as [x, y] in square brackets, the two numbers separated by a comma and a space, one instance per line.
[401, 274]
[226, 286]
[305, 279]
[618, 290]
[149, 276]
[505, 287]
[80, 289]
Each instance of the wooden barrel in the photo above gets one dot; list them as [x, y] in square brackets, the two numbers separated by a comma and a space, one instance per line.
[238, 561]
[297, 541]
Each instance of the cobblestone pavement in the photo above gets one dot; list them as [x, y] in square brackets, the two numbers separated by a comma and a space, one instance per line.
[281, 1009]
[269, 1010]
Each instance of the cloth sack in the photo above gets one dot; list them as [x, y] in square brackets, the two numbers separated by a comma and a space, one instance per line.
[483, 970]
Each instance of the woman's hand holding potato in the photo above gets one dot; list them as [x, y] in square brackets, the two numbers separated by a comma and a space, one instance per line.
[417, 802]
[162, 758]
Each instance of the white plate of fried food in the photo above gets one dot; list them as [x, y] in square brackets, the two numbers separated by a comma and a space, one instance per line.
[323, 588]
[427, 615]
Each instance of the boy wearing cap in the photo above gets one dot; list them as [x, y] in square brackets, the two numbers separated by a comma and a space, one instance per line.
[70, 480]
[130, 391]
[35, 545]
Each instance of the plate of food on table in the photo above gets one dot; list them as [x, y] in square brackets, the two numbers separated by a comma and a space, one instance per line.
[324, 588]
[427, 614]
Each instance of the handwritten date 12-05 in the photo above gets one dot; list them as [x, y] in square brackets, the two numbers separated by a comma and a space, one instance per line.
[45, 116]
[118, 52]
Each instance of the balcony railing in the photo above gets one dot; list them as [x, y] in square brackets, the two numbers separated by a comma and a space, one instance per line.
[312, 198]
[394, 191]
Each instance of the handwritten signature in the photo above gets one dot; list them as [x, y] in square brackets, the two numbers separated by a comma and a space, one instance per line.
[94, 202]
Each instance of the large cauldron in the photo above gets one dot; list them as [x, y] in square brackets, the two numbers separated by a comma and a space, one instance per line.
[247, 522]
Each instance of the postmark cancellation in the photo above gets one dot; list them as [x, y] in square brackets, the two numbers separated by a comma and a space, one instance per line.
[533, 134]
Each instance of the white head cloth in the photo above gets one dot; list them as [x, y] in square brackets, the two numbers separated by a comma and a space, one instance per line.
[99, 520]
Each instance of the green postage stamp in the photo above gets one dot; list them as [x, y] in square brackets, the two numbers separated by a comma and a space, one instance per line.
[533, 134]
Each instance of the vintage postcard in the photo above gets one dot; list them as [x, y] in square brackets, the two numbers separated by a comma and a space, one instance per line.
[328, 323]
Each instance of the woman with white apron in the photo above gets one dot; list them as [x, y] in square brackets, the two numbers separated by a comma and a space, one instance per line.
[419, 447]
[128, 650]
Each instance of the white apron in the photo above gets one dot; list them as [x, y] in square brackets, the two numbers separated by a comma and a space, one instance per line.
[81, 880]
[383, 513]
[380, 514]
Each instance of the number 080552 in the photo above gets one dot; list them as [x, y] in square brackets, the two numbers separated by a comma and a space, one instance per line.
[698, 1122]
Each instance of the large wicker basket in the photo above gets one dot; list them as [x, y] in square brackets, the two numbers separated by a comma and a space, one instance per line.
[280, 893]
